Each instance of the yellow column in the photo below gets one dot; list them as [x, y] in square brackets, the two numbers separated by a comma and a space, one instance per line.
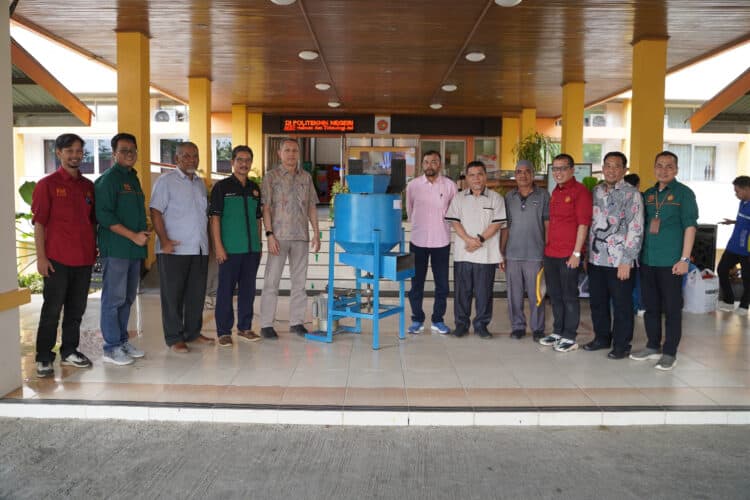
[627, 117]
[133, 79]
[528, 122]
[743, 157]
[239, 125]
[647, 124]
[255, 141]
[572, 120]
[199, 97]
[508, 142]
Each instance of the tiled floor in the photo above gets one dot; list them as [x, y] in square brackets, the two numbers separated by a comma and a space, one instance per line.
[423, 371]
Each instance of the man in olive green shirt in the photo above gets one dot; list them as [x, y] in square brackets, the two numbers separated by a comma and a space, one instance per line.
[671, 219]
[122, 238]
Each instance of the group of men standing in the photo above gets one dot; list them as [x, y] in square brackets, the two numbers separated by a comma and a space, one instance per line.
[526, 232]
[612, 230]
[72, 216]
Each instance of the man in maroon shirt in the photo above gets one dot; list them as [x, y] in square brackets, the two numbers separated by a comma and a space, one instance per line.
[64, 234]
[570, 210]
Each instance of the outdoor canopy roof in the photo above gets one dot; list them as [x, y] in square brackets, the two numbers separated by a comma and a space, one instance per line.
[728, 111]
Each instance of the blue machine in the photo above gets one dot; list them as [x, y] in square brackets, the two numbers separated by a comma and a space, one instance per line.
[367, 227]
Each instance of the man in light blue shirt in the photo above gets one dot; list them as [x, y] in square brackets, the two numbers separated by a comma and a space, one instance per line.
[179, 213]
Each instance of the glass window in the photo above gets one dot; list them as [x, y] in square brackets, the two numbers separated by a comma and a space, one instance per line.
[704, 163]
[168, 149]
[592, 153]
[678, 117]
[485, 150]
[87, 164]
[455, 158]
[105, 155]
[684, 154]
[224, 155]
[50, 159]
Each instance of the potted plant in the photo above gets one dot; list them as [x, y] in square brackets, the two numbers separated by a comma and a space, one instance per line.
[536, 148]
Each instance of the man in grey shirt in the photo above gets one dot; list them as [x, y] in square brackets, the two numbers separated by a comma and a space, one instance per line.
[522, 245]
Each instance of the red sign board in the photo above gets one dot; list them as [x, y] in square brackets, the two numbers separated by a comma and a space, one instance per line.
[318, 125]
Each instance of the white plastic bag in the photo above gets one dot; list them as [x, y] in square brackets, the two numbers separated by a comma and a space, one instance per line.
[700, 294]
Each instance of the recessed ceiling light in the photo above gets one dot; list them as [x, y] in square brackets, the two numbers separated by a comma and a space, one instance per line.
[322, 86]
[308, 55]
[333, 104]
[507, 3]
[449, 87]
[283, 2]
[436, 105]
[475, 56]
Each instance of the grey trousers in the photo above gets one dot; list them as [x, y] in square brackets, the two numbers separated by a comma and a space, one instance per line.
[297, 251]
[521, 279]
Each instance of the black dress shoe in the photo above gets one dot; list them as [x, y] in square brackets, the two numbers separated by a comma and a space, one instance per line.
[299, 330]
[517, 334]
[483, 333]
[539, 336]
[617, 354]
[595, 345]
[460, 331]
[267, 332]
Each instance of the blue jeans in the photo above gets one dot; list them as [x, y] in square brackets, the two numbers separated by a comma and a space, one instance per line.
[120, 279]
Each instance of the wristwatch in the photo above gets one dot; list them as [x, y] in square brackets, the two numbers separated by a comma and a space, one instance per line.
[269, 233]
[577, 254]
[481, 238]
[685, 259]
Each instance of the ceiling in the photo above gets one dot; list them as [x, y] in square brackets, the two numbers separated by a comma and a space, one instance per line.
[392, 56]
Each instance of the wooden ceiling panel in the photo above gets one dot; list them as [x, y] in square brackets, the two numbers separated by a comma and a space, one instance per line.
[392, 56]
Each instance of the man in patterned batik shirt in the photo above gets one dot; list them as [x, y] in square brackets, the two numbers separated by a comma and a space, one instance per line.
[615, 238]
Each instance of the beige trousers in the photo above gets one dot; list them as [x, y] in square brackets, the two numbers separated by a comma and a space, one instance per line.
[297, 252]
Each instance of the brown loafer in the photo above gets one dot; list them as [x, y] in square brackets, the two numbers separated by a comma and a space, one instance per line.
[202, 339]
[248, 335]
[180, 347]
[225, 340]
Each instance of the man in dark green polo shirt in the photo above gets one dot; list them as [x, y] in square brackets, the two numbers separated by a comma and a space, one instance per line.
[122, 238]
[670, 224]
[235, 212]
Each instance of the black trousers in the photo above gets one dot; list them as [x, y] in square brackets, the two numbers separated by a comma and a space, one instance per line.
[726, 264]
[662, 294]
[439, 257]
[605, 288]
[473, 281]
[183, 292]
[562, 288]
[67, 288]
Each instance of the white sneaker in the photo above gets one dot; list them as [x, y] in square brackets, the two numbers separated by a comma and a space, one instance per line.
[117, 356]
[726, 306]
[550, 339]
[565, 345]
[742, 311]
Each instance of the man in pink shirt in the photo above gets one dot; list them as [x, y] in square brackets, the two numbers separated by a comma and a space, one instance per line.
[427, 201]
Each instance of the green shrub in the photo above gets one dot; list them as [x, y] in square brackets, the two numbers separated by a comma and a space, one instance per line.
[32, 281]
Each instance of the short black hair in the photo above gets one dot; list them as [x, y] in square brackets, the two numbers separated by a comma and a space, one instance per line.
[122, 136]
[476, 163]
[742, 181]
[430, 153]
[667, 153]
[566, 157]
[242, 149]
[635, 179]
[617, 154]
[66, 140]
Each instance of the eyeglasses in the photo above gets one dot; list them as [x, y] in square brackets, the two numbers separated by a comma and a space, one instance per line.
[127, 152]
[559, 169]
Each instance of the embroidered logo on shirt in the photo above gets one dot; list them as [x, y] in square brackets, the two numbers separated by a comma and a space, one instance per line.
[61, 192]
[650, 198]
[127, 187]
[256, 193]
[670, 198]
[568, 199]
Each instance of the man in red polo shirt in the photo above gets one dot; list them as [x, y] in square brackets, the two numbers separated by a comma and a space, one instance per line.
[63, 217]
[570, 210]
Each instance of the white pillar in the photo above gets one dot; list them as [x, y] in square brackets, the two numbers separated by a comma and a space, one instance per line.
[10, 345]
